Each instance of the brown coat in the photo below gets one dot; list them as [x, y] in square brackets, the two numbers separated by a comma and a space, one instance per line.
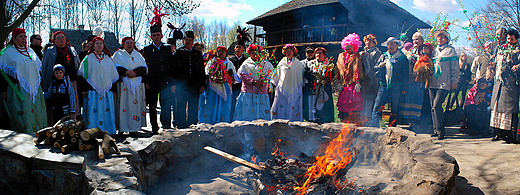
[351, 71]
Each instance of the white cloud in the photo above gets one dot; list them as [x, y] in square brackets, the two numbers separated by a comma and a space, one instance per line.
[435, 6]
[224, 8]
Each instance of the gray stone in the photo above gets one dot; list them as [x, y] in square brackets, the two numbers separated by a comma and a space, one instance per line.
[44, 178]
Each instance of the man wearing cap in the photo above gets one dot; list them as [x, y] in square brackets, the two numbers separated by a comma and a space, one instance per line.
[158, 58]
[392, 71]
[444, 79]
[237, 60]
[308, 89]
[190, 81]
[369, 86]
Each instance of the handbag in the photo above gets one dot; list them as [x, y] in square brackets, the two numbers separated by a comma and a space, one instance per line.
[453, 116]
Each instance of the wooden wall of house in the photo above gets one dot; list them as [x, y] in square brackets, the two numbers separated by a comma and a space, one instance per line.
[321, 23]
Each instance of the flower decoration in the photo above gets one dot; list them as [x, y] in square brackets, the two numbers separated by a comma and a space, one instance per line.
[289, 46]
[351, 40]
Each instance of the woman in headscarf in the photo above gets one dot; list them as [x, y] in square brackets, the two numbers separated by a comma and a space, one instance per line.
[349, 72]
[288, 79]
[20, 87]
[61, 53]
[130, 98]
[216, 105]
[253, 100]
[97, 75]
[317, 102]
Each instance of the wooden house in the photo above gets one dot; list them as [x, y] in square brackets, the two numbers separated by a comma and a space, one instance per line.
[324, 23]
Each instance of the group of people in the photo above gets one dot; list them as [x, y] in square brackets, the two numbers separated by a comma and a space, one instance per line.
[112, 90]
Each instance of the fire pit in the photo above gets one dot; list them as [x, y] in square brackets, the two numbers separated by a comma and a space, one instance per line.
[357, 160]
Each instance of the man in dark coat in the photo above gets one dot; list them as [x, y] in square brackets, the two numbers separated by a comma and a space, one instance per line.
[506, 91]
[36, 45]
[190, 81]
[238, 59]
[158, 58]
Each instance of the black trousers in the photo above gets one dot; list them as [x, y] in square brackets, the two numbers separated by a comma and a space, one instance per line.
[186, 108]
[152, 95]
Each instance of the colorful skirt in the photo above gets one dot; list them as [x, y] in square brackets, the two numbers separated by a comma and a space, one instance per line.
[349, 100]
[99, 111]
[252, 107]
[26, 116]
[213, 108]
[131, 108]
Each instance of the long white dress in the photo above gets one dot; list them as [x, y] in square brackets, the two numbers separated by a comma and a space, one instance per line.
[288, 79]
[130, 99]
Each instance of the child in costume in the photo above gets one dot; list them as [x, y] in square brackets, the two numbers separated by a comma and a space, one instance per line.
[61, 94]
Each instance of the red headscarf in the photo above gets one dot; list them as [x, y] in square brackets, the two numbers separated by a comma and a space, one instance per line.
[126, 39]
[15, 33]
[105, 49]
[222, 47]
[56, 34]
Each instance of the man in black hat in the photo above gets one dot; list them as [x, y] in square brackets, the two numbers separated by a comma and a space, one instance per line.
[237, 60]
[158, 57]
[190, 81]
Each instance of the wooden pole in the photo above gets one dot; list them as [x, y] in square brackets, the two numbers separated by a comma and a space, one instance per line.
[234, 159]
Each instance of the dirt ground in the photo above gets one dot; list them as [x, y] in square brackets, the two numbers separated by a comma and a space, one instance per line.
[486, 167]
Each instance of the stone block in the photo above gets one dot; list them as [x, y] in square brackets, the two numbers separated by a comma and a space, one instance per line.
[44, 178]
[259, 144]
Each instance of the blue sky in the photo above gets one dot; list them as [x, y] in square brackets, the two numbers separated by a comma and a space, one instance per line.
[245, 10]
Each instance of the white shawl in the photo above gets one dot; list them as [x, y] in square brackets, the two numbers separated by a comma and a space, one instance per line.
[24, 69]
[132, 61]
[99, 74]
[288, 77]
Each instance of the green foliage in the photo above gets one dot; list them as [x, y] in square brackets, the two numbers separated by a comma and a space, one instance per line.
[441, 23]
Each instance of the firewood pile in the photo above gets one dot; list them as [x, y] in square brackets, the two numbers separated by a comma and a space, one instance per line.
[70, 135]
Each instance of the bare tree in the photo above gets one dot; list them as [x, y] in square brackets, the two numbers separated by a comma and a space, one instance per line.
[95, 12]
[115, 7]
[12, 14]
[135, 8]
[504, 13]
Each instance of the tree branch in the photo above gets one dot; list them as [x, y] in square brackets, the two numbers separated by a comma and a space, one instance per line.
[22, 17]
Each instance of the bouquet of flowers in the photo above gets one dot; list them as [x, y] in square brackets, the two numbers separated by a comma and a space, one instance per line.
[216, 69]
[322, 70]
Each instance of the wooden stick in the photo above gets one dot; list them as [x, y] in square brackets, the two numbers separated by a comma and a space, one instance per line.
[234, 159]
[69, 148]
[100, 152]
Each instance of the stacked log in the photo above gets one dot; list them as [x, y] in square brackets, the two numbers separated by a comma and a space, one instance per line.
[70, 135]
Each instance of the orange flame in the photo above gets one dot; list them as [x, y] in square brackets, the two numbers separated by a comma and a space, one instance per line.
[336, 157]
[276, 150]
[253, 158]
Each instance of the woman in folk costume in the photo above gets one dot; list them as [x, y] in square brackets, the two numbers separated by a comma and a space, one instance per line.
[318, 105]
[20, 87]
[130, 98]
[349, 70]
[410, 111]
[253, 100]
[97, 75]
[61, 53]
[444, 79]
[216, 106]
[506, 91]
[288, 79]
